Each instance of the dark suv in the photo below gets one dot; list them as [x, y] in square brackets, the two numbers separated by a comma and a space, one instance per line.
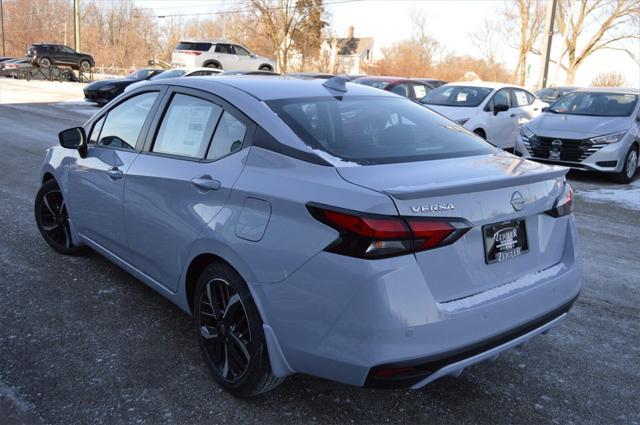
[46, 55]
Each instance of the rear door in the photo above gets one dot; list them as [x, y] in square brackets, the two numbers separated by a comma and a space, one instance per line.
[500, 127]
[193, 156]
[226, 56]
[96, 183]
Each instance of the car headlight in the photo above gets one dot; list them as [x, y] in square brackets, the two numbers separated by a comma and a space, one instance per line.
[461, 121]
[526, 133]
[609, 138]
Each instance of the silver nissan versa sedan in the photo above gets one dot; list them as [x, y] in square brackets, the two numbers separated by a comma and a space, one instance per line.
[317, 227]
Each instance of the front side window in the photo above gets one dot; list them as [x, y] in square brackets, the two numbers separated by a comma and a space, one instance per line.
[501, 98]
[94, 137]
[187, 126]
[419, 91]
[124, 122]
[228, 138]
[465, 96]
[401, 89]
[376, 130]
[224, 48]
[521, 98]
[596, 104]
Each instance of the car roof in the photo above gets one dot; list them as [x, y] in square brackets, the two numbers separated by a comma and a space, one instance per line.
[266, 88]
[204, 40]
[389, 79]
[619, 90]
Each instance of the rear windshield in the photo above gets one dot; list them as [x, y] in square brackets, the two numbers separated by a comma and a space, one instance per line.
[172, 73]
[376, 130]
[595, 104]
[188, 45]
[465, 96]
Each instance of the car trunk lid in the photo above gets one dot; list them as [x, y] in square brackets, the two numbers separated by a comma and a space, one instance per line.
[479, 189]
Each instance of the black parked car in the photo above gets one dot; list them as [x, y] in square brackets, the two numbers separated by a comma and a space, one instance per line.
[101, 92]
[46, 55]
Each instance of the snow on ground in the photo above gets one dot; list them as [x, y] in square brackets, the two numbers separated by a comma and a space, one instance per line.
[51, 97]
[625, 195]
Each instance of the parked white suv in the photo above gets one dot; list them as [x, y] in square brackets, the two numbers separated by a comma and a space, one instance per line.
[219, 54]
[494, 111]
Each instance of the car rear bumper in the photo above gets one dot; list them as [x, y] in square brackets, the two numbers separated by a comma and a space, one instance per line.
[336, 319]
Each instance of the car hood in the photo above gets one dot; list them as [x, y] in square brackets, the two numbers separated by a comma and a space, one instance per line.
[115, 82]
[453, 112]
[576, 126]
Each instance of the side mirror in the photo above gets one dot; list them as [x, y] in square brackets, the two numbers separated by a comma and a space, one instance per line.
[500, 108]
[74, 138]
[254, 56]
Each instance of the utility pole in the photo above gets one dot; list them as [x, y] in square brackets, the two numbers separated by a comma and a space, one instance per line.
[2, 26]
[76, 24]
[546, 48]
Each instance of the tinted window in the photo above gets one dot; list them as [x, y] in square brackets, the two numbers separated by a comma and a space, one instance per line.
[465, 96]
[595, 104]
[67, 49]
[501, 98]
[224, 48]
[187, 45]
[520, 98]
[124, 122]
[187, 126]
[401, 89]
[228, 137]
[375, 130]
[241, 51]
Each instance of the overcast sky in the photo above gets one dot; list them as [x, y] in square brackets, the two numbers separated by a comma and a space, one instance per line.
[448, 21]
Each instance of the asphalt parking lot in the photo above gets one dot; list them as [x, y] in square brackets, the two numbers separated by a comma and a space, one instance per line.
[83, 342]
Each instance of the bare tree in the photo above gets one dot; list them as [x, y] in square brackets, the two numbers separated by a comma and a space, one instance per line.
[523, 26]
[609, 79]
[590, 26]
[487, 39]
[426, 46]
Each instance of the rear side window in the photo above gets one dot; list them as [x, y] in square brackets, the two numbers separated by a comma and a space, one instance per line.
[188, 45]
[229, 136]
[123, 123]
[187, 127]
[419, 91]
[376, 130]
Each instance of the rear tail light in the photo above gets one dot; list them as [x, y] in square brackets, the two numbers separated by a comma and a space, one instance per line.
[564, 204]
[379, 236]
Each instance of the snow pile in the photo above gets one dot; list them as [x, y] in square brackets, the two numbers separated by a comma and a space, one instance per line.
[499, 291]
[628, 196]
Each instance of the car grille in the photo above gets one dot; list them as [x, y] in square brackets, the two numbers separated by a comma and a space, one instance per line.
[570, 150]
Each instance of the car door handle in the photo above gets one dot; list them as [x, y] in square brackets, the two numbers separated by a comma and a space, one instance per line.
[205, 183]
[114, 173]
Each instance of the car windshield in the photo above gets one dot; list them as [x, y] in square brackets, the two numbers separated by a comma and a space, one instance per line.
[172, 73]
[140, 74]
[374, 83]
[465, 96]
[376, 130]
[595, 104]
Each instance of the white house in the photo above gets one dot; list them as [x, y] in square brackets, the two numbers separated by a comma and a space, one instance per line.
[348, 55]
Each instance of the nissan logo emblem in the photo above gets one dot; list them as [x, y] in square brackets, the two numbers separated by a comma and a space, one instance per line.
[517, 201]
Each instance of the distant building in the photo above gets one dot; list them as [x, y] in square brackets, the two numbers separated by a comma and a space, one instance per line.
[349, 55]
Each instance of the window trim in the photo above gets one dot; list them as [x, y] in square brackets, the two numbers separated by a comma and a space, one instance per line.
[164, 107]
[89, 126]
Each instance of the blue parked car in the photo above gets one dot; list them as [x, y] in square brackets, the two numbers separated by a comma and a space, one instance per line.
[317, 226]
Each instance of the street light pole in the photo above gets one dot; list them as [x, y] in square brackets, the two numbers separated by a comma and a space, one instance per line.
[2, 26]
[76, 24]
[546, 48]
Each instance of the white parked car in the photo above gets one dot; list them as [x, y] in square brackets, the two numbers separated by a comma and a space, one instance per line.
[596, 129]
[175, 73]
[219, 54]
[494, 111]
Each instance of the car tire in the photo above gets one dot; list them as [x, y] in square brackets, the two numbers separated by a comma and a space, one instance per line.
[52, 219]
[84, 65]
[214, 65]
[265, 68]
[230, 334]
[629, 168]
[45, 62]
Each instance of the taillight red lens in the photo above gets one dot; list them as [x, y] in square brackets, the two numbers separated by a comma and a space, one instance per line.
[564, 204]
[379, 236]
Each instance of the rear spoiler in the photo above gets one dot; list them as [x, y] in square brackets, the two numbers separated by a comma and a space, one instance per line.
[475, 185]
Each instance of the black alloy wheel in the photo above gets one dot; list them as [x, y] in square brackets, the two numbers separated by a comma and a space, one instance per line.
[52, 218]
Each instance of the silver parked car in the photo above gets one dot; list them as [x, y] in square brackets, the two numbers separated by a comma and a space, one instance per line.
[594, 129]
[285, 216]
[219, 54]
